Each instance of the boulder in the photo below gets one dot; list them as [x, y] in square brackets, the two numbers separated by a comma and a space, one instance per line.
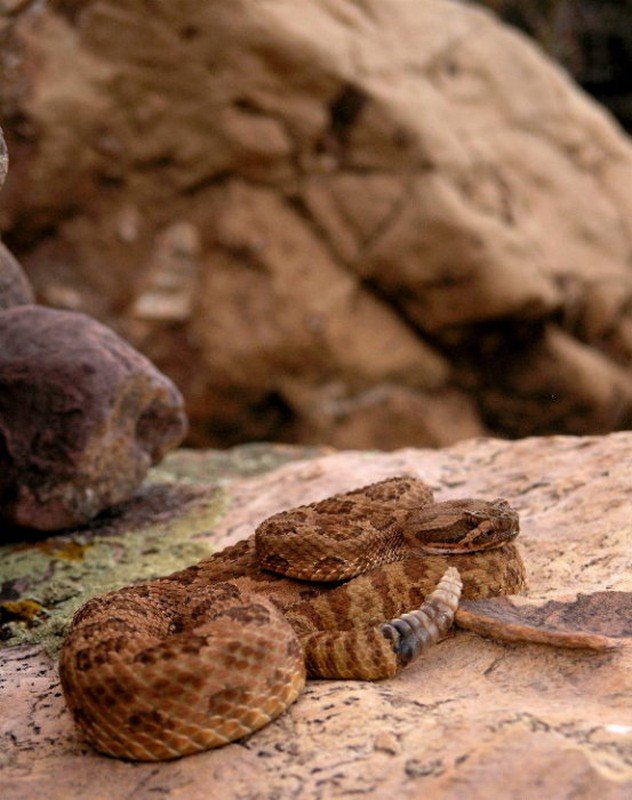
[390, 198]
[82, 418]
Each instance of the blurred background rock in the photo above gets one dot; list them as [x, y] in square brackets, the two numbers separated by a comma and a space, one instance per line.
[367, 224]
[591, 38]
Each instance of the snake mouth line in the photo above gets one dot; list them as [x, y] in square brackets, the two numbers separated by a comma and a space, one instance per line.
[452, 549]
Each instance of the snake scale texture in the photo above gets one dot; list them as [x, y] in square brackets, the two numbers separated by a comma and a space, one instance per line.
[354, 586]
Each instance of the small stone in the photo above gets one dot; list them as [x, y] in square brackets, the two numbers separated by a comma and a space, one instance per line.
[82, 417]
[387, 743]
[170, 292]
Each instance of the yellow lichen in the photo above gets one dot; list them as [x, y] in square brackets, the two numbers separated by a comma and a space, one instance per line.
[21, 611]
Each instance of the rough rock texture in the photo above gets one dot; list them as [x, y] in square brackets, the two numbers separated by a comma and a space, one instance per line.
[353, 223]
[15, 289]
[475, 718]
[82, 417]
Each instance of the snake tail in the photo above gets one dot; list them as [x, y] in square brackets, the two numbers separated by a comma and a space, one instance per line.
[410, 634]
[380, 651]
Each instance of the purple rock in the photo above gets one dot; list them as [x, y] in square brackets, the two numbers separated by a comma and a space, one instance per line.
[82, 417]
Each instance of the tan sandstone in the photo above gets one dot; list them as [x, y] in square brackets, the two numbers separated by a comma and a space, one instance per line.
[347, 222]
[475, 718]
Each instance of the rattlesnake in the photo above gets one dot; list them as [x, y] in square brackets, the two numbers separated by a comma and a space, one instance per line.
[209, 654]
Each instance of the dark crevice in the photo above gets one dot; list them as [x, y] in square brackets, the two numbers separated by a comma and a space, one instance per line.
[345, 110]
[21, 238]
[209, 181]
[248, 106]
[155, 162]
[269, 418]
[70, 9]
[189, 32]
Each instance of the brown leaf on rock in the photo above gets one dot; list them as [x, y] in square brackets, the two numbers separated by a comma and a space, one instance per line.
[596, 621]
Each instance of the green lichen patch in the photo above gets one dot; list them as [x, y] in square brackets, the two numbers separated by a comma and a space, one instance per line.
[155, 533]
[159, 530]
[243, 461]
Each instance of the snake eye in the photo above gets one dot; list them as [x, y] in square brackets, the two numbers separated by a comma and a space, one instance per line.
[475, 518]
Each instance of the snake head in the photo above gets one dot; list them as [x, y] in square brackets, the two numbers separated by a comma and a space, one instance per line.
[463, 526]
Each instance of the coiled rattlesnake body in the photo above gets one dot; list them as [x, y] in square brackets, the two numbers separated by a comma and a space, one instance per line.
[209, 654]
